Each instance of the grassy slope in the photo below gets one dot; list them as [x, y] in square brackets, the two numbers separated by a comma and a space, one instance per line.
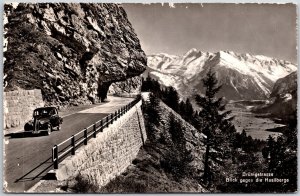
[146, 174]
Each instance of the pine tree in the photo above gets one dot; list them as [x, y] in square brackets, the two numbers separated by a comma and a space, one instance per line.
[146, 84]
[189, 111]
[178, 159]
[171, 98]
[176, 132]
[215, 123]
[151, 114]
[153, 109]
[282, 161]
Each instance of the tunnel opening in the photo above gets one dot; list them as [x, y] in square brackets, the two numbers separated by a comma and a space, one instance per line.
[103, 90]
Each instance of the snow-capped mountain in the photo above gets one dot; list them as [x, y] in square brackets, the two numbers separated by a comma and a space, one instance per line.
[243, 76]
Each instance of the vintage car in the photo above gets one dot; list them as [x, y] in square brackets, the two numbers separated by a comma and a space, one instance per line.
[45, 119]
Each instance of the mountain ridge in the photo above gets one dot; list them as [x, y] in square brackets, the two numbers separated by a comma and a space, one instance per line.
[244, 76]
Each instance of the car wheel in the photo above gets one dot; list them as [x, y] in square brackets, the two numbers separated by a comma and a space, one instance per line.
[28, 127]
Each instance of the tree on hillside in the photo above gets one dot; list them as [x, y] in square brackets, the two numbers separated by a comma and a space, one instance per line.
[282, 162]
[189, 107]
[215, 124]
[150, 85]
[178, 158]
[171, 98]
[146, 84]
[151, 114]
[176, 132]
[186, 110]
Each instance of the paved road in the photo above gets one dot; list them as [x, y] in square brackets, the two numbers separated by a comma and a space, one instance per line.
[28, 158]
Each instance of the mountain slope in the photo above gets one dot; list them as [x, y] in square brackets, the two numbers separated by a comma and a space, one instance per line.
[147, 174]
[243, 76]
[283, 99]
[286, 85]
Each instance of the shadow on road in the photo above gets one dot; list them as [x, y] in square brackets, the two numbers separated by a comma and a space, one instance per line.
[24, 134]
[38, 172]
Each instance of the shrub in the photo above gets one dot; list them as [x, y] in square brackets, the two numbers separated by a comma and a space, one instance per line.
[82, 185]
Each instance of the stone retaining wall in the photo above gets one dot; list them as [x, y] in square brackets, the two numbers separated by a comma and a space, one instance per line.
[110, 153]
[18, 106]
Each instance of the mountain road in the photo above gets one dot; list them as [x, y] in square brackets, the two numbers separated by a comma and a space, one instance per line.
[27, 158]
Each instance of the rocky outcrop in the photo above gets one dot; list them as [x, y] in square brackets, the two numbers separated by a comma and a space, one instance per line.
[72, 52]
[129, 87]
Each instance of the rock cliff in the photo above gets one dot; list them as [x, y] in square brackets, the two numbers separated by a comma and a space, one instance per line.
[131, 86]
[72, 52]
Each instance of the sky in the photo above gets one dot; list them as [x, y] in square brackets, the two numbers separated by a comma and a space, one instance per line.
[259, 29]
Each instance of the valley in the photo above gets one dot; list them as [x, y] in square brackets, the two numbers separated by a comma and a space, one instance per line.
[255, 126]
[267, 83]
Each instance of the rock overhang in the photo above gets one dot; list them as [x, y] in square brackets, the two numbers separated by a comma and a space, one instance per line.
[72, 52]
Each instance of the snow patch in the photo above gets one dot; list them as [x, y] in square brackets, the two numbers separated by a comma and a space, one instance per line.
[233, 85]
[287, 97]
[259, 83]
[14, 4]
[166, 79]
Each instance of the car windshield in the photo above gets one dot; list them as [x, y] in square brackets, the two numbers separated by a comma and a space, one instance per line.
[44, 112]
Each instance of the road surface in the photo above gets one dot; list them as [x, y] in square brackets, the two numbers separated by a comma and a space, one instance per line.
[28, 158]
